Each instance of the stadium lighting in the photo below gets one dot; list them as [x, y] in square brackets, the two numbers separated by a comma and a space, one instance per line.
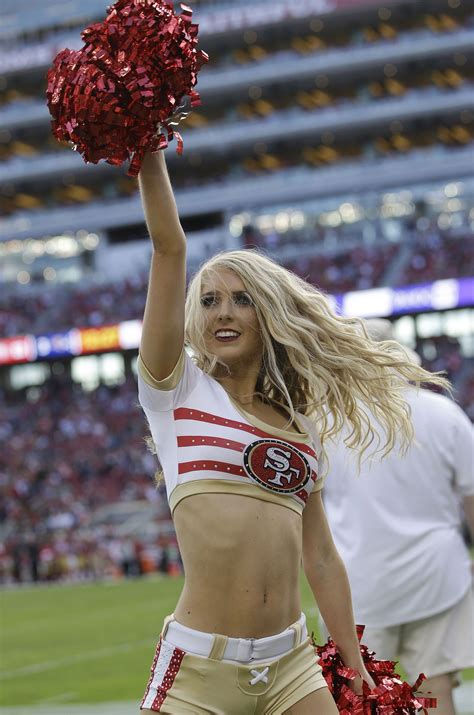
[282, 222]
[455, 205]
[297, 220]
[451, 190]
[49, 274]
[90, 241]
[23, 277]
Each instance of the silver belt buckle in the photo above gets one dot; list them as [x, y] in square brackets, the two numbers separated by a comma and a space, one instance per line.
[252, 657]
[251, 641]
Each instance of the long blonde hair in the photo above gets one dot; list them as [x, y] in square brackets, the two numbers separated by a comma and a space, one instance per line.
[314, 361]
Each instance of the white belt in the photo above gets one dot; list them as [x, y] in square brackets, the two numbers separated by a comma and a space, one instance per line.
[243, 650]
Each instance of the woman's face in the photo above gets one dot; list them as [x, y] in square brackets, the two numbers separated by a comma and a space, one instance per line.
[232, 328]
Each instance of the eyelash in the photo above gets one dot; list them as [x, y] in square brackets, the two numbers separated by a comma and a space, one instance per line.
[242, 299]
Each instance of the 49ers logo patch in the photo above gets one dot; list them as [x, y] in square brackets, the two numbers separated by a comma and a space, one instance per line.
[276, 465]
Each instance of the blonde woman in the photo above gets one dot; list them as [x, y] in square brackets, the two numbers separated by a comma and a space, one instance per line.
[235, 432]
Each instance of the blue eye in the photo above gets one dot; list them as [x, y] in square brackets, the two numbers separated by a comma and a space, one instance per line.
[208, 300]
[243, 299]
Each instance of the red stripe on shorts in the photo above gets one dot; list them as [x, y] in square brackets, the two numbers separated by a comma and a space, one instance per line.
[183, 413]
[153, 666]
[168, 679]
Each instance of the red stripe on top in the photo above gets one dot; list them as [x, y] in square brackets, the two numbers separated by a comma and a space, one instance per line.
[168, 679]
[183, 413]
[303, 495]
[213, 441]
[205, 465]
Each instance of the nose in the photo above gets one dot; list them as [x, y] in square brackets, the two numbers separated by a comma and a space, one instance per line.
[226, 307]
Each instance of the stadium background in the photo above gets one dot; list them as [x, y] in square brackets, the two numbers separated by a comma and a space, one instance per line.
[336, 135]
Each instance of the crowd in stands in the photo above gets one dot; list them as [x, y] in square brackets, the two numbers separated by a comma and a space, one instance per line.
[433, 254]
[357, 269]
[64, 307]
[70, 454]
[436, 255]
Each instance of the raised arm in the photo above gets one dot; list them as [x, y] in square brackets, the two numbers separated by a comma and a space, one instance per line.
[163, 322]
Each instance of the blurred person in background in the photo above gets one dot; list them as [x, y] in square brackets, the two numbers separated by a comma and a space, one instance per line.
[234, 433]
[398, 527]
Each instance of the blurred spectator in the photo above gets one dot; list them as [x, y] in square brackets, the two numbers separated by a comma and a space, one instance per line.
[356, 269]
[436, 255]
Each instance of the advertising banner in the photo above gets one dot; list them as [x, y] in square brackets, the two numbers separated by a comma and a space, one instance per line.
[374, 303]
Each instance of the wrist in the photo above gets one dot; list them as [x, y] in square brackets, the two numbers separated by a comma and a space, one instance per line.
[153, 163]
[352, 657]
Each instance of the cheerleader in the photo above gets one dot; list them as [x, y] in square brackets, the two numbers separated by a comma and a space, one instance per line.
[239, 429]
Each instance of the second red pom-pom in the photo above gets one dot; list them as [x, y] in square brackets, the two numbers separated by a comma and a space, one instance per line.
[391, 696]
[114, 98]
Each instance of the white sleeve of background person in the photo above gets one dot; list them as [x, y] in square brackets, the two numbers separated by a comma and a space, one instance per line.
[397, 524]
[463, 453]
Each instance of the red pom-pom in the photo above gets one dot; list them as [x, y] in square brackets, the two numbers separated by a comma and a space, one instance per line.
[391, 696]
[120, 95]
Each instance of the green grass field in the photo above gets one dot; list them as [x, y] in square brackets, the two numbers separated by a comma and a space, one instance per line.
[87, 643]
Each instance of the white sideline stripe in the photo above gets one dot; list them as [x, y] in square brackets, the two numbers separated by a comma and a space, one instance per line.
[70, 660]
[121, 708]
[59, 698]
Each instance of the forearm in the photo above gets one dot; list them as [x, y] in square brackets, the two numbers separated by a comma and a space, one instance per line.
[330, 585]
[159, 205]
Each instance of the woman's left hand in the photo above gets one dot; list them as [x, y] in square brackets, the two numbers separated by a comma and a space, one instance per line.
[356, 684]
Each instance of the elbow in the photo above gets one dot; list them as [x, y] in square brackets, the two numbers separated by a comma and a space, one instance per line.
[319, 563]
[161, 249]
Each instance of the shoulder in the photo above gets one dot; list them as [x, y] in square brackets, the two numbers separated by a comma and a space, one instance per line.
[439, 404]
[173, 391]
[308, 423]
[310, 426]
[438, 414]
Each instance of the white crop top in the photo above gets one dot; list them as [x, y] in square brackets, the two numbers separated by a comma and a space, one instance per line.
[207, 444]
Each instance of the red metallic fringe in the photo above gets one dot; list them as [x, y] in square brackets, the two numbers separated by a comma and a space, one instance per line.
[391, 696]
[114, 98]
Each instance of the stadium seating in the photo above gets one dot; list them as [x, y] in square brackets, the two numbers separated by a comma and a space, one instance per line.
[71, 456]
[431, 254]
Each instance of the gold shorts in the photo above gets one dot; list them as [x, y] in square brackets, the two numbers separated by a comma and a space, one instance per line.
[182, 683]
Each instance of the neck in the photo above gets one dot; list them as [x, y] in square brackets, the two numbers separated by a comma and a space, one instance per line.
[241, 383]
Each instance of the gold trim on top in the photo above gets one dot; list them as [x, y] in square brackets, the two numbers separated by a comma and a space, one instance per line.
[222, 486]
[170, 382]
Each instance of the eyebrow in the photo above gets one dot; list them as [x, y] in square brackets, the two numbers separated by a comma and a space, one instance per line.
[215, 292]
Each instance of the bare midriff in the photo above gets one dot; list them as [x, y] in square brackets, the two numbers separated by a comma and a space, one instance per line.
[241, 559]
